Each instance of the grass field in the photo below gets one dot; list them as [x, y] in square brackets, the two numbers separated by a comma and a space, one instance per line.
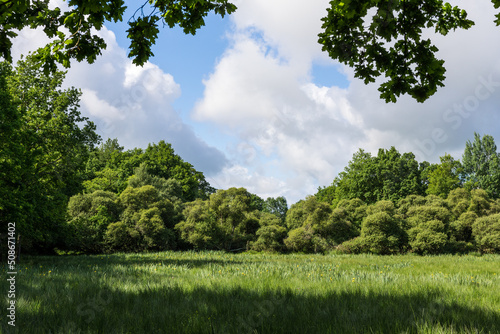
[212, 292]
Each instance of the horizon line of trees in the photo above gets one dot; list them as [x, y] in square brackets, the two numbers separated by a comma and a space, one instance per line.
[384, 204]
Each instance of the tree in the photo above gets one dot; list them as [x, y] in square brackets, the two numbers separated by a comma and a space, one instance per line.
[444, 177]
[270, 235]
[75, 31]
[390, 175]
[45, 153]
[481, 164]
[385, 38]
[145, 223]
[225, 221]
[277, 206]
[359, 179]
[162, 161]
[90, 215]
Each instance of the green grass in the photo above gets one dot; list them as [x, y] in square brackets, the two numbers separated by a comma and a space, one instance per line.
[212, 292]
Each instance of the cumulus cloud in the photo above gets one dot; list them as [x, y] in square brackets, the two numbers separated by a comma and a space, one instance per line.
[261, 89]
[133, 104]
[289, 134]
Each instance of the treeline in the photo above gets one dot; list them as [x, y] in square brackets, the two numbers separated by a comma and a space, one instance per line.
[384, 204]
[67, 190]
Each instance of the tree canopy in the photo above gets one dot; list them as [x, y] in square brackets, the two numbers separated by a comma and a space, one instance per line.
[378, 38]
[79, 39]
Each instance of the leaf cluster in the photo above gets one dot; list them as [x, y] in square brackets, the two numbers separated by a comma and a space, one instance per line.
[384, 37]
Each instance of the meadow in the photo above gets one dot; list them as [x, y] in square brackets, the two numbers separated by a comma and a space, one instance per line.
[215, 292]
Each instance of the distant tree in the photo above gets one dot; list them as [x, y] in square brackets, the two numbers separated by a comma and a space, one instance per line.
[89, 217]
[308, 219]
[107, 180]
[405, 204]
[199, 227]
[480, 202]
[276, 206]
[162, 161]
[428, 237]
[445, 177]
[388, 176]
[256, 202]
[461, 228]
[327, 194]
[270, 235]
[225, 221]
[298, 212]
[359, 179]
[355, 210]
[428, 226]
[146, 222]
[458, 201]
[481, 164]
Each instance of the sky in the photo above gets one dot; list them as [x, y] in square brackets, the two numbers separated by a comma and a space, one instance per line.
[252, 101]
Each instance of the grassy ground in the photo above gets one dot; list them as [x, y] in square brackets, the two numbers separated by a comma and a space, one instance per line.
[211, 292]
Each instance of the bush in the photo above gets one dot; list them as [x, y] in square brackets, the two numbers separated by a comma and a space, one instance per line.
[270, 239]
[486, 232]
[119, 236]
[461, 229]
[382, 233]
[339, 227]
[90, 215]
[479, 202]
[353, 246]
[153, 232]
[301, 240]
[458, 201]
[355, 210]
[420, 214]
[408, 202]
[428, 237]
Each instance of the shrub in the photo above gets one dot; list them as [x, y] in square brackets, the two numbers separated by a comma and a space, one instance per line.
[382, 206]
[428, 237]
[408, 202]
[353, 246]
[420, 214]
[339, 227]
[458, 201]
[486, 231]
[270, 239]
[461, 229]
[382, 233]
[355, 210]
[479, 202]
[90, 215]
[300, 240]
[119, 236]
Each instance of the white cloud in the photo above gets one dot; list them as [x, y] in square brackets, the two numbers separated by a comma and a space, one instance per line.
[261, 90]
[133, 104]
[291, 135]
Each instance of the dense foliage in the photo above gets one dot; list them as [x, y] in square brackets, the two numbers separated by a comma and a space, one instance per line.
[74, 31]
[44, 145]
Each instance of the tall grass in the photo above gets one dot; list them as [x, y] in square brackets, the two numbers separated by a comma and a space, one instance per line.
[213, 292]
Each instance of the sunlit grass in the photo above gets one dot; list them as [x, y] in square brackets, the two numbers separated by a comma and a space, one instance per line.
[215, 292]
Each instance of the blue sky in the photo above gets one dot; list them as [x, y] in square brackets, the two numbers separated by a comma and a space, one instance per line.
[253, 102]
